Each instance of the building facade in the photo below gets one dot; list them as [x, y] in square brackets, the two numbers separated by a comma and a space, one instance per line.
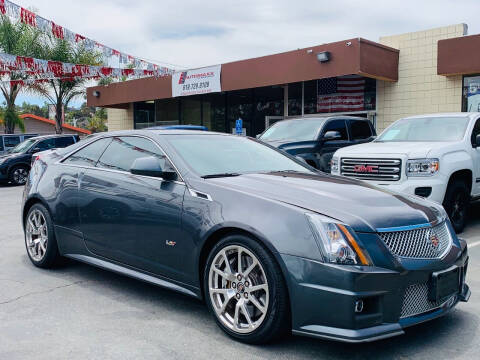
[35, 124]
[401, 75]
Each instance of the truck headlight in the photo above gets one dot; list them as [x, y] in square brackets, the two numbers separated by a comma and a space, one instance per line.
[336, 242]
[334, 166]
[422, 167]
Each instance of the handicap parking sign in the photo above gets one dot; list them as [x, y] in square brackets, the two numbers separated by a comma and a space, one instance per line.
[238, 126]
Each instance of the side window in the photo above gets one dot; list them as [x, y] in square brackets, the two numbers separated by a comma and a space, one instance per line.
[337, 125]
[123, 151]
[63, 141]
[88, 156]
[45, 144]
[476, 131]
[360, 129]
[1, 143]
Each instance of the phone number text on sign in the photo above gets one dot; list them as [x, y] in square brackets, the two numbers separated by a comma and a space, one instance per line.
[196, 86]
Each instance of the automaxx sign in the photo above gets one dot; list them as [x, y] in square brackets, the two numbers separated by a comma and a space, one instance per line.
[197, 81]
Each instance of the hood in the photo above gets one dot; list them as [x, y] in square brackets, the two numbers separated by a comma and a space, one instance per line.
[11, 156]
[412, 150]
[362, 206]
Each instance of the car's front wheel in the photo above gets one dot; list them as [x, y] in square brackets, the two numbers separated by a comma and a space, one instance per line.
[457, 200]
[40, 239]
[18, 175]
[245, 290]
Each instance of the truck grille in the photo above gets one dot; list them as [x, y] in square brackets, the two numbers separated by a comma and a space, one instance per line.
[415, 301]
[424, 243]
[372, 169]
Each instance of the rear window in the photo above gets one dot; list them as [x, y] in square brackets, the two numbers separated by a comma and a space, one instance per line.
[360, 130]
[11, 141]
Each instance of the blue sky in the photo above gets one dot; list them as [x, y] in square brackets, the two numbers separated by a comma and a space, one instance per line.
[191, 33]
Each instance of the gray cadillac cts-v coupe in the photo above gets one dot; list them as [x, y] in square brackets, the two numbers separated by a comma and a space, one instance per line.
[271, 244]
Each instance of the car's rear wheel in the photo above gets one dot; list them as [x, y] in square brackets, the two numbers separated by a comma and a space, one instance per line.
[457, 200]
[245, 290]
[18, 175]
[40, 239]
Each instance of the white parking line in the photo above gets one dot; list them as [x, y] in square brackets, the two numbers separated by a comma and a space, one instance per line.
[476, 243]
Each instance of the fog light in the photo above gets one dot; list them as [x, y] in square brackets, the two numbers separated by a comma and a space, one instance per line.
[358, 306]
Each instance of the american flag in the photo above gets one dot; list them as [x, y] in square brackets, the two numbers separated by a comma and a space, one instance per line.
[344, 93]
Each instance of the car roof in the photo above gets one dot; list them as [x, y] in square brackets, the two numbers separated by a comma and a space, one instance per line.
[323, 118]
[471, 115]
[178, 127]
[41, 137]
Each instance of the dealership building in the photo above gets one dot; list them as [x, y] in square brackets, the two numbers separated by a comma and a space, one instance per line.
[421, 72]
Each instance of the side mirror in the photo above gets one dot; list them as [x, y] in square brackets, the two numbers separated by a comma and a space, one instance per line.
[150, 166]
[36, 150]
[477, 141]
[332, 135]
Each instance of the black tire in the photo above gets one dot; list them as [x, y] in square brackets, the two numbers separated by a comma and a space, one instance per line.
[51, 257]
[18, 175]
[277, 319]
[456, 204]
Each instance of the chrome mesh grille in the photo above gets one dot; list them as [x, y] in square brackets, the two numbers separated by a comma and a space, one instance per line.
[424, 243]
[371, 169]
[415, 301]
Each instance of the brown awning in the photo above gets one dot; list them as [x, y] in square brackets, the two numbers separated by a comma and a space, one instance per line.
[459, 55]
[354, 56]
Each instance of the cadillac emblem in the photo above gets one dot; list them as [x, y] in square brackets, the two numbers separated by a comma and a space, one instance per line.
[434, 240]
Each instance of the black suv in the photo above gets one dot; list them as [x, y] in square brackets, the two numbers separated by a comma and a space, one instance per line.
[15, 165]
[316, 139]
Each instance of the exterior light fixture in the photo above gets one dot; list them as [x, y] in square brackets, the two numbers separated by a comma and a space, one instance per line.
[323, 56]
[96, 93]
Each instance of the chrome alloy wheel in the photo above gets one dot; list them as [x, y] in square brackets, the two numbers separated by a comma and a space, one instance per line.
[20, 176]
[238, 289]
[36, 235]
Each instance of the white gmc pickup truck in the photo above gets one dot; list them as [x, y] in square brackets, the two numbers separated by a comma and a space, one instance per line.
[435, 156]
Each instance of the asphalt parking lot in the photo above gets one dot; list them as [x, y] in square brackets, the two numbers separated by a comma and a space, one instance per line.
[81, 312]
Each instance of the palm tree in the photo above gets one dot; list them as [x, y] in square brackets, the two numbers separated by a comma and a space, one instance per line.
[16, 39]
[61, 91]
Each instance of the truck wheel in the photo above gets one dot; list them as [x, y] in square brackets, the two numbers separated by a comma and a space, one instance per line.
[457, 199]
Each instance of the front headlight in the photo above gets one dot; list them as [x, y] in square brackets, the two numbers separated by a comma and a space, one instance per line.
[422, 167]
[336, 242]
[334, 167]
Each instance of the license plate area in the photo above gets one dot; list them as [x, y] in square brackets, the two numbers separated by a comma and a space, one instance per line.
[444, 284]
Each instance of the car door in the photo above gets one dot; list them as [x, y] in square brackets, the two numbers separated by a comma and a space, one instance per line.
[476, 158]
[328, 147]
[132, 219]
[361, 131]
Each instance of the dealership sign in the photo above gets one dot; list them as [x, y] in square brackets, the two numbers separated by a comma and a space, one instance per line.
[198, 81]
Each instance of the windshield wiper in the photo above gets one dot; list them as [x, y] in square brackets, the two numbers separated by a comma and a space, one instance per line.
[211, 176]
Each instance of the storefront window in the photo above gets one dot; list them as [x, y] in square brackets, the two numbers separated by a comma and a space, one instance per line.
[268, 101]
[310, 93]
[143, 114]
[191, 110]
[213, 108]
[295, 99]
[167, 112]
[240, 107]
[471, 93]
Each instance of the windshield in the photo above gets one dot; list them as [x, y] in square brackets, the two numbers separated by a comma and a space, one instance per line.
[23, 146]
[220, 154]
[426, 129]
[298, 130]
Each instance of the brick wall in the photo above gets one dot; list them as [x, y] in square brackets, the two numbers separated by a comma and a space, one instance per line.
[419, 89]
[120, 119]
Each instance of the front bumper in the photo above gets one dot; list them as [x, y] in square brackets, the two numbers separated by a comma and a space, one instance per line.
[438, 185]
[324, 296]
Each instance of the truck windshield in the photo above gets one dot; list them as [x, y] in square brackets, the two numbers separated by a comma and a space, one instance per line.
[426, 129]
[296, 130]
[23, 146]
